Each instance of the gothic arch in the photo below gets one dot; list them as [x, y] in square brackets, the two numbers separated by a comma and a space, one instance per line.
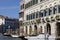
[58, 28]
[48, 28]
[26, 30]
[40, 29]
[30, 30]
[35, 29]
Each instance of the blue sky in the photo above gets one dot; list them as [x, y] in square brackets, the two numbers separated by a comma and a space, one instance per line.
[10, 8]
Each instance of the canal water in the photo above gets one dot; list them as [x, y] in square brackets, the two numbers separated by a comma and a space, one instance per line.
[8, 38]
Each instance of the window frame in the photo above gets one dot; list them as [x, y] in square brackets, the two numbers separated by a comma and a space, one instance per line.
[55, 9]
[50, 11]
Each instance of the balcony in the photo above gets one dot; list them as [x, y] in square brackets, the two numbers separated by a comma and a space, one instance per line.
[21, 19]
[21, 23]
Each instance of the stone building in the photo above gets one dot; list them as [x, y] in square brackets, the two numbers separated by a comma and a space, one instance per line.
[40, 17]
[2, 22]
[7, 24]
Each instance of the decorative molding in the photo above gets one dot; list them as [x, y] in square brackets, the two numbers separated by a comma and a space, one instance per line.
[47, 19]
[57, 17]
[38, 21]
[52, 18]
[43, 20]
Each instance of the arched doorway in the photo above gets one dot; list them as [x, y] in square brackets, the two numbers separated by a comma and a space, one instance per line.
[58, 28]
[40, 31]
[48, 28]
[35, 29]
[26, 30]
[30, 30]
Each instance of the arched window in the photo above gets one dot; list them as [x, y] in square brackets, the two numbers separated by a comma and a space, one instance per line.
[40, 29]
[48, 28]
[26, 30]
[35, 29]
[55, 9]
[58, 28]
[50, 11]
[30, 30]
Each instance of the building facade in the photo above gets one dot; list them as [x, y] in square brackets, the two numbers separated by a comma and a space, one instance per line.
[11, 23]
[21, 19]
[7, 24]
[2, 22]
[40, 17]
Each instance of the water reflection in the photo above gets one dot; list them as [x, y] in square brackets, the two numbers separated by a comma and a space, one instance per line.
[8, 38]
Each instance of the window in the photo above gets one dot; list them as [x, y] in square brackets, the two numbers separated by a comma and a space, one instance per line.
[37, 14]
[58, 8]
[30, 30]
[25, 6]
[36, 1]
[35, 29]
[55, 10]
[30, 16]
[41, 0]
[33, 2]
[48, 28]
[45, 12]
[26, 30]
[33, 15]
[40, 29]
[22, 6]
[27, 18]
[41, 14]
[50, 11]
[20, 15]
[58, 28]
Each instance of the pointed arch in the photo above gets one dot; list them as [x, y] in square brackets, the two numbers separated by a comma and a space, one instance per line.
[26, 30]
[48, 28]
[30, 30]
[35, 29]
[40, 29]
[58, 28]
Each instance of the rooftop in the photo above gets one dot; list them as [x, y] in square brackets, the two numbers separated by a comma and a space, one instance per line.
[1, 16]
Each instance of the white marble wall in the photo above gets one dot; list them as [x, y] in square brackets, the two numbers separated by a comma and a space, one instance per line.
[2, 21]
